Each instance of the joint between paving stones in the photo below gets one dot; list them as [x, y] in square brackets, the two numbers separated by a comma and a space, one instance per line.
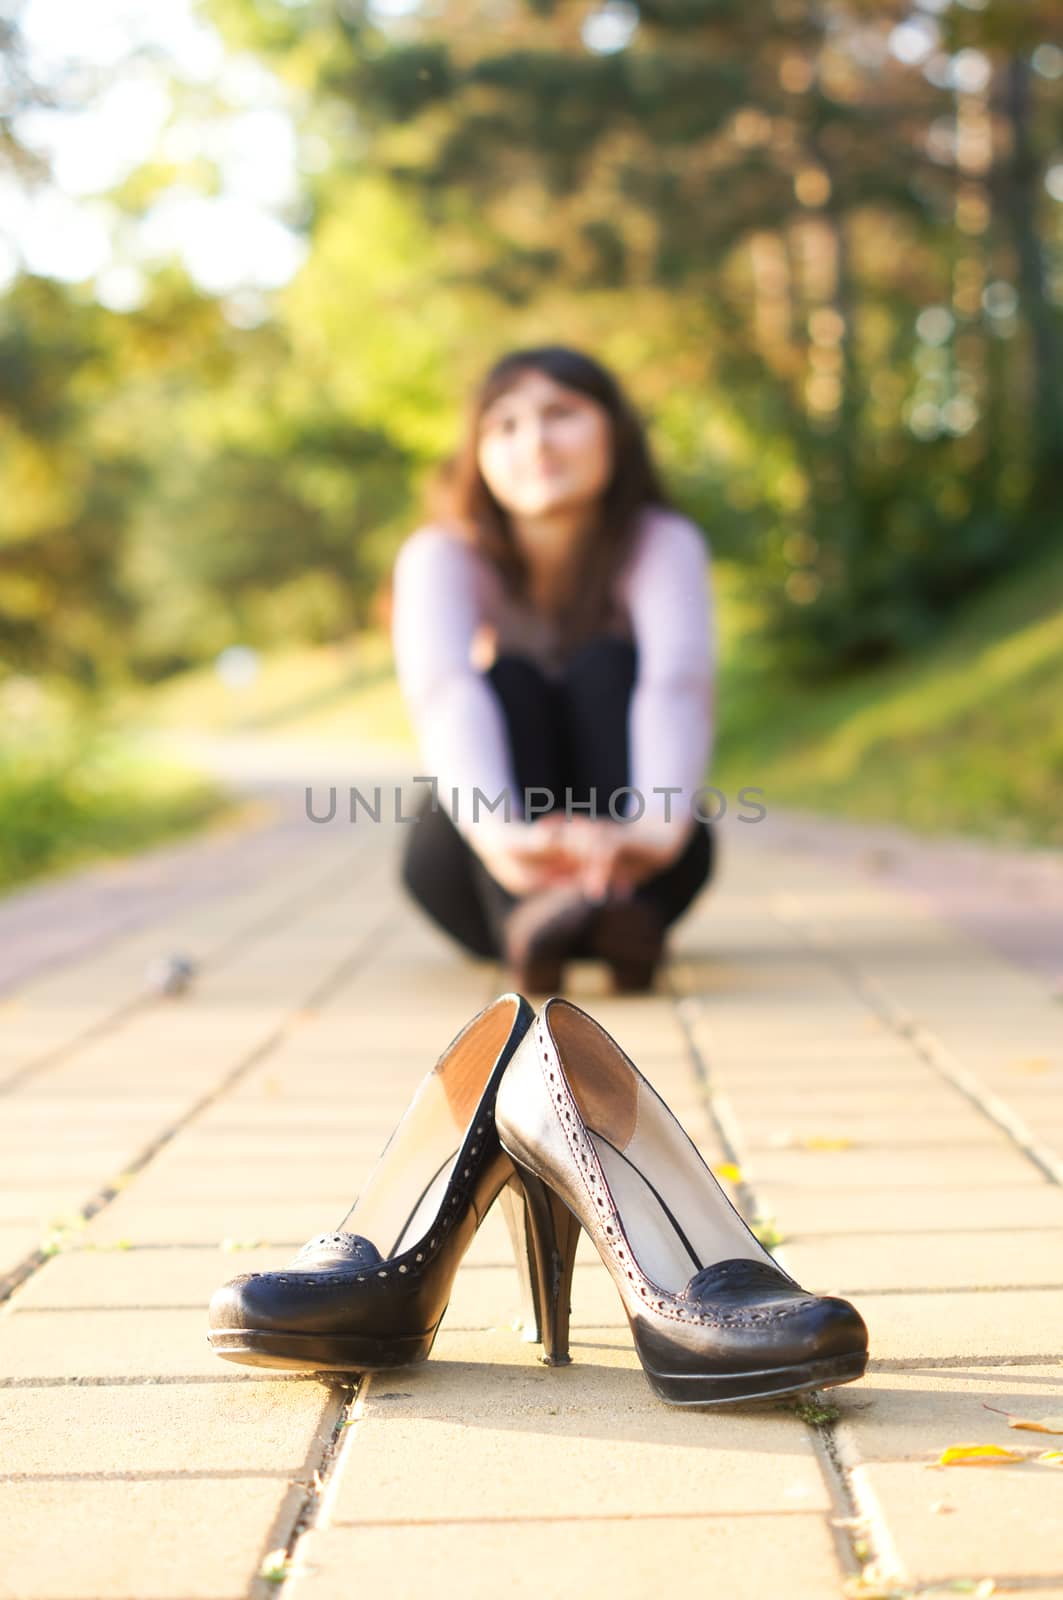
[280, 1563]
[925, 1044]
[145, 1001]
[858, 1529]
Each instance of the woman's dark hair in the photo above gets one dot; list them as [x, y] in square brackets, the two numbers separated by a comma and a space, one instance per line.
[459, 496]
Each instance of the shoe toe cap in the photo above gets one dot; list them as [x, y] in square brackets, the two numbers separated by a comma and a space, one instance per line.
[235, 1304]
[836, 1327]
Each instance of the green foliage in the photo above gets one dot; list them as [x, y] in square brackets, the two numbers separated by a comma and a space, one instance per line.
[963, 735]
[758, 162]
[743, 209]
[69, 487]
[81, 795]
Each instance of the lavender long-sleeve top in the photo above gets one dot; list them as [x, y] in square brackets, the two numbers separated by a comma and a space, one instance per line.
[448, 601]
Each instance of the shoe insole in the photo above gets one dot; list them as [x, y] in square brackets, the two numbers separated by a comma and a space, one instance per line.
[427, 1208]
[674, 1237]
[404, 1190]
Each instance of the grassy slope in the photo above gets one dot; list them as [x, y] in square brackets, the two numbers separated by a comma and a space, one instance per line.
[344, 692]
[82, 801]
[966, 737]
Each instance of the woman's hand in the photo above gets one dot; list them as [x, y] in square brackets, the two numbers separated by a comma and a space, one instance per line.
[527, 856]
[599, 855]
[617, 856]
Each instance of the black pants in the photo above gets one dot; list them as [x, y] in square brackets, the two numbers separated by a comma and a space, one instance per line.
[572, 733]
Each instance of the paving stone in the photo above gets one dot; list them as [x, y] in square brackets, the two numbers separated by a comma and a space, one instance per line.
[38, 1117]
[41, 1206]
[265, 1119]
[992, 1325]
[910, 1262]
[808, 1213]
[924, 1170]
[71, 1434]
[1004, 1521]
[795, 1098]
[291, 1177]
[158, 1538]
[610, 1558]
[915, 1415]
[113, 1342]
[926, 1130]
[210, 1222]
[174, 1279]
[592, 1457]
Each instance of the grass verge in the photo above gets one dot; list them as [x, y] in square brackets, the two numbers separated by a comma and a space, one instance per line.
[77, 799]
[964, 737]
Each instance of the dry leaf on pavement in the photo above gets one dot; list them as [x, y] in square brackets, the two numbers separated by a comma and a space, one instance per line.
[1035, 1424]
[976, 1455]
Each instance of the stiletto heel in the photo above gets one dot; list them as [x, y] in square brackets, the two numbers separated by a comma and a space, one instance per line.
[554, 1234]
[713, 1316]
[515, 1212]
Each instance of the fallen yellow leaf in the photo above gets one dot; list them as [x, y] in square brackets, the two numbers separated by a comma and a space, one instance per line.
[1050, 1458]
[1035, 1424]
[959, 1455]
[729, 1172]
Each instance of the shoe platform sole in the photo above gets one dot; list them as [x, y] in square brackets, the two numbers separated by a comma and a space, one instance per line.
[315, 1352]
[721, 1388]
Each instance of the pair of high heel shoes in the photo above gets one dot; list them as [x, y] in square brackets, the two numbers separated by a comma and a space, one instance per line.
[547, 1113]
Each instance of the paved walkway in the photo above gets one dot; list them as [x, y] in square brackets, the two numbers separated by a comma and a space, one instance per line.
[885, 1077]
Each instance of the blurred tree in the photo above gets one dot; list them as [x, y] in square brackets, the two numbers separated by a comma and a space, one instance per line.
[20, 91]
[69, 489]
[840, 197]
[817, 242]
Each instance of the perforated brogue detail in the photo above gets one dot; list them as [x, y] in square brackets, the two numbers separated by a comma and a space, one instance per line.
[338, 1250]
[675, 1307]
[343, 1256]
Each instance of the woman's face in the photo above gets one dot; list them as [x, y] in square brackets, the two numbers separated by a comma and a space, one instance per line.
[545, 448]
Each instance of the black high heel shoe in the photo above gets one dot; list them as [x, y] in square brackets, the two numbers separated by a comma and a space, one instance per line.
[714, 1317]
[357, 1301]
